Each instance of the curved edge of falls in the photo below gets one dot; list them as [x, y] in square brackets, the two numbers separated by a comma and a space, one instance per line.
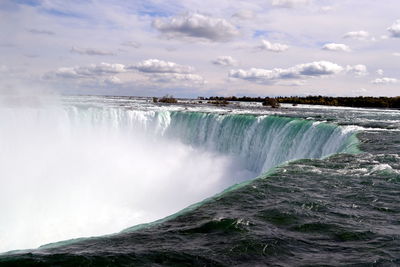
[262, 142]
[259, 142]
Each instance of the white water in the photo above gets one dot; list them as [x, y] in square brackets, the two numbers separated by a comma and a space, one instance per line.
[69, 172]
[63, 179]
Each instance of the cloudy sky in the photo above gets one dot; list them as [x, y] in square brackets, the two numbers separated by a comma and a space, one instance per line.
[192, 48]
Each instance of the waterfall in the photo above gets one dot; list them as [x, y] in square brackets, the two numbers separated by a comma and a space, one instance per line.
[74, 171]
[261, 142]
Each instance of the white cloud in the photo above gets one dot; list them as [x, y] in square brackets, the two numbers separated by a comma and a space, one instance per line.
[358, 35]
[336, 47]
[359, 70]
[225, 61]
[291, 82]
[124, 21]
[112, 80]
[301, 71]
[160, 66]
[244, 14]
[380, 72]
[132, 44]
[317, 68]
[395, 29]
[91, 51]
[290, 3]
[64, 73]
[105, 74]
[168, 72]
[186, 79]
[273, 47]
[256, 75]
[197, 26]
[384, 80]
[91, 71]
[396, 54]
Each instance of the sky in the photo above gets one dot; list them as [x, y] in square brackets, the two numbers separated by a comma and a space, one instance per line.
[191, 48]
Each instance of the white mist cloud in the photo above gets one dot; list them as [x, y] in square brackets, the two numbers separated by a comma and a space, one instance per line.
[160, 66]
[301, 71]
[384, 80]
[394, 30]
[358, 70]
[358, 35]
[91, 51]
[90, 71]
[154, 70]
[273, 47]
[336, 47]
[112, 80]
[168, 72]
[225, 61]
[197, 26]
[179, 78]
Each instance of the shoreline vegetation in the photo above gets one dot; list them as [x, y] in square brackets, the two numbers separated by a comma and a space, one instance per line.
[275, 102]
[359, 101]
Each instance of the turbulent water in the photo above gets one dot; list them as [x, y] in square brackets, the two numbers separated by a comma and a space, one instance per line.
[92, 166]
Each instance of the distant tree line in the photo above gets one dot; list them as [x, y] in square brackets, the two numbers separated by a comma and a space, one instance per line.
[360, 101]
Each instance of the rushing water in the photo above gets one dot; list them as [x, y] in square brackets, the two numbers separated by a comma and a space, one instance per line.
[95, 166]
